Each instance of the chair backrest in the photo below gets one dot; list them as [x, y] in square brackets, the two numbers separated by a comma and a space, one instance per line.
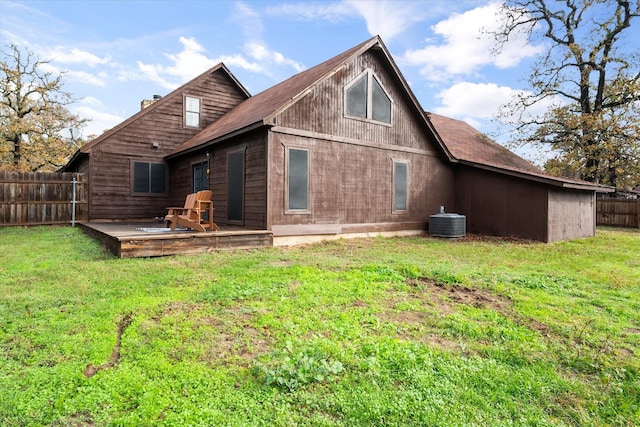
[190, 201]
[197, 209]
[204, 195]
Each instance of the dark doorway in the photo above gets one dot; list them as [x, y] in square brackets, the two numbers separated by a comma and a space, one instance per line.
[235, 178]
[200, 176]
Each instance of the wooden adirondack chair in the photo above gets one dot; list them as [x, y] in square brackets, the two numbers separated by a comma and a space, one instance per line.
[196, 214]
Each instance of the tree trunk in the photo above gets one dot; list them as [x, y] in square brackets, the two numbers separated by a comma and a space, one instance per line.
[17, 150]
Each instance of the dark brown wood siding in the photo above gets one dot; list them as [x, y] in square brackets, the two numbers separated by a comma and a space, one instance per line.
[322, 110]
[253, 146]
[500, 205]
[351, 160]
[351, 187]
[111, 159]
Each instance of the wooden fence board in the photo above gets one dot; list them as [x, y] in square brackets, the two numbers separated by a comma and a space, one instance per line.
[618, 212]
[37, 198]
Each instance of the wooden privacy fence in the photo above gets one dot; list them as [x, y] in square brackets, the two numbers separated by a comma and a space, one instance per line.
[38, 198]
[618, 212]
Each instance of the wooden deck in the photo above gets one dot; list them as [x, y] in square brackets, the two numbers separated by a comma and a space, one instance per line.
[136, 240]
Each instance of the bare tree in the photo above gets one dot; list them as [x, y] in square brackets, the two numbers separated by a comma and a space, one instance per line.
[592, 85]
[33, 114]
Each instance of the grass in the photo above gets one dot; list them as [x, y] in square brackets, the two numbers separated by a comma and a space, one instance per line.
[406, 331]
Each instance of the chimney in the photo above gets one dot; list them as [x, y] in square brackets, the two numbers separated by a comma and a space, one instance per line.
[146, 102]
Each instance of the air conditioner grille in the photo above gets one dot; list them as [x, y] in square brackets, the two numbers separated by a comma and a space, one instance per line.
[447, 225]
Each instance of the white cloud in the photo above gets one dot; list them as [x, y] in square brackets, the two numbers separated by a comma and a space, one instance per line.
[312, 11]
[100, 120]
[260, 52]
[473, 101]
[74, 56]
[467, 46]
[389, 18]
[96, 79]
[185, 65]
[482, 101]
[192, 60]
[249, 20]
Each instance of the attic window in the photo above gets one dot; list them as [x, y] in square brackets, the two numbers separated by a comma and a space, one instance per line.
[365, 98]
[191, 112]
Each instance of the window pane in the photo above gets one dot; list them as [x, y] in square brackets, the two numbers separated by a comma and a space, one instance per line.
[140, 177]
[357, 98]
[192, 119]
[193, 105]
[400, 186]
[158, 178]
[381, 109]
[298, 179]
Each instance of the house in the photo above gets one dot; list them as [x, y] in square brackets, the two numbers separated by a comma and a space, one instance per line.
[341, 149]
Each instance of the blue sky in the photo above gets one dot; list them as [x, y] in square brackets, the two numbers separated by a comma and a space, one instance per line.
[117, 53]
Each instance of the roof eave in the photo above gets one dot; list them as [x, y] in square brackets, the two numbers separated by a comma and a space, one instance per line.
[248, 128]
[549, 180]
[76, 157]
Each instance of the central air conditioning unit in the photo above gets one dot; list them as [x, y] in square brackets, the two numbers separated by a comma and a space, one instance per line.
[447, 224]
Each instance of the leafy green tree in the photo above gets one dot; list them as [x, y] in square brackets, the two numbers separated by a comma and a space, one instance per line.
[33, 114]
[590, 83]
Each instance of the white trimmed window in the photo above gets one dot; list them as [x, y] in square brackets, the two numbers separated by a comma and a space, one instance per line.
[191, 112]
[400, 186]
[365, 98]
[297, 180]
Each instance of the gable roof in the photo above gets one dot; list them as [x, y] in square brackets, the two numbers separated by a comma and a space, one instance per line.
[471, 147]
[261, 109]
[85, 149]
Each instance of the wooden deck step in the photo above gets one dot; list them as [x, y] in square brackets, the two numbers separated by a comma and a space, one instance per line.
[129, 240]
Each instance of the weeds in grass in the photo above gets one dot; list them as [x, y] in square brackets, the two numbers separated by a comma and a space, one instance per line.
[295, 368]
[407, 331]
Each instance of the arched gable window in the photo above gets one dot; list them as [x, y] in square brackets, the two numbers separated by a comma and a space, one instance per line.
[365, 98]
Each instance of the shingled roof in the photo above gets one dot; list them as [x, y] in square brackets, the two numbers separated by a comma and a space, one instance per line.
[469, 146]
[260, 109]
[255, 111]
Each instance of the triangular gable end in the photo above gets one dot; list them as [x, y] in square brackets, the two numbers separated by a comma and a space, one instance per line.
[261, 109]
[158, 104]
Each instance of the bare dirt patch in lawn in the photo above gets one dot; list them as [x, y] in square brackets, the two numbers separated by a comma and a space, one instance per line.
[430, 300]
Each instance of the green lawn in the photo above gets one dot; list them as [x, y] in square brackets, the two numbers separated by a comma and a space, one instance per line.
[406, 331]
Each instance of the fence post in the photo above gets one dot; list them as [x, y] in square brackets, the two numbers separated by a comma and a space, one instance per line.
[73, 202]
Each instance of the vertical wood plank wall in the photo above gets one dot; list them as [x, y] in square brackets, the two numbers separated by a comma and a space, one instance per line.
[572, 215]
[499, 206]
[34, 198]
[351, 160]
[618, 212]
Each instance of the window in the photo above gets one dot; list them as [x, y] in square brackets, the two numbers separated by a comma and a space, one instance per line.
[297, 179]
[191, 112]
[235, 185]
[400, 185]
[365, 98]
[149, 177]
